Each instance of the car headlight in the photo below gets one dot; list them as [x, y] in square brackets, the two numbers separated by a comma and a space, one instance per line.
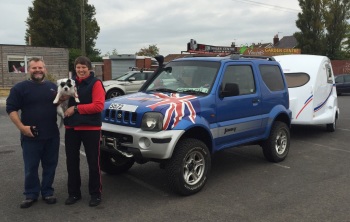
[152, 121]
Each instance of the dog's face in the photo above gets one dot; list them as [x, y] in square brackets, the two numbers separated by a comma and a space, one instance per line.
[66, 86]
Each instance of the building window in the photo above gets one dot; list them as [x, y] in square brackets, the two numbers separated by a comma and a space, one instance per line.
[18, 64]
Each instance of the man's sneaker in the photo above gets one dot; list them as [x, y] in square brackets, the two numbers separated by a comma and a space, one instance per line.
[50, 199]
[27, 203]
[95, 201]
[72, 200]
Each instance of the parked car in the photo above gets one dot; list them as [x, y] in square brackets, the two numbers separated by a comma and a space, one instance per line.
[191, 109]
[312, 94]
[342, 83]
[129, 82]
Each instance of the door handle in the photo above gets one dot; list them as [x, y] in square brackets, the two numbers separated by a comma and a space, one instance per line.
[256, 101]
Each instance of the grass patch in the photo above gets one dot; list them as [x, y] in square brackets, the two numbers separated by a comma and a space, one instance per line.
[4, 92]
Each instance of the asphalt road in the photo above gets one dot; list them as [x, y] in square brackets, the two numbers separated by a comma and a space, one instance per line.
[312, 184]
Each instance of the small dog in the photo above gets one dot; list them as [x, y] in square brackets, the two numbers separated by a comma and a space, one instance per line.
[65, 87]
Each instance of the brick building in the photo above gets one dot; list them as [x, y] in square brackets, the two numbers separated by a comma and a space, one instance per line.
[13, 62]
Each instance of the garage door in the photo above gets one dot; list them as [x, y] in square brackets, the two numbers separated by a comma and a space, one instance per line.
[119, 67]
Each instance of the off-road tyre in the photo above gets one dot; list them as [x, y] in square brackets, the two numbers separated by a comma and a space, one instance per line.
[189, 166]
[276, 147]
[112, 163]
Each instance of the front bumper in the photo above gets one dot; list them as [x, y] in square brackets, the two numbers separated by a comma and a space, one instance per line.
[143, 144]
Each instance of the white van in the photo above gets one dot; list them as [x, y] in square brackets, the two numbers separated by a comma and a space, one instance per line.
[312, 92]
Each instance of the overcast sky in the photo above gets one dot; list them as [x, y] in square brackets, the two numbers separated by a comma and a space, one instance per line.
[130, 25]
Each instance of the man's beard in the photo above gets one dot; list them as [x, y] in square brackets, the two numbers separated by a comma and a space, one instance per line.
[36, 79]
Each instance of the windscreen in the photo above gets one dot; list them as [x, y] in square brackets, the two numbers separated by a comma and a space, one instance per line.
[186, 76]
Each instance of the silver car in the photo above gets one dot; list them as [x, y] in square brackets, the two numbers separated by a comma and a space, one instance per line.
[127, 83]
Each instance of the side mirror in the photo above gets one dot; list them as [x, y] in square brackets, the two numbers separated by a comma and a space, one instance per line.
[132, 79]
[231, 89]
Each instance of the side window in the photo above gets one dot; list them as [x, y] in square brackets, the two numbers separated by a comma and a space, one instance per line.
[143, 76]
[339, 79]
[272, 77]
[329, 74]
[138, 76]
[243, 76]
[347, 78]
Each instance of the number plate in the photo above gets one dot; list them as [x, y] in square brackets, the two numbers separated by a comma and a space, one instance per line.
[123, 107]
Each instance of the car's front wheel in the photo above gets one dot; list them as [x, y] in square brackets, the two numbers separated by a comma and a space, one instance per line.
[276, 147]
[114, 93]
[188, 168]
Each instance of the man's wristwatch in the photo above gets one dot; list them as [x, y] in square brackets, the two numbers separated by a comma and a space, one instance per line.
[75, 109]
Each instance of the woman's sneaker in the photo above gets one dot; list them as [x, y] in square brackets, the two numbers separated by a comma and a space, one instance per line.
[72, 200]
[95, 201]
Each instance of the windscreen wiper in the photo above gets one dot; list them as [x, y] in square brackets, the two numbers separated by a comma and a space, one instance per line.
[164, 90]
[192, 91]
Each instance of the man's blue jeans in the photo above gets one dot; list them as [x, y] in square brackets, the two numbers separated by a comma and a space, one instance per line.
[34, 152]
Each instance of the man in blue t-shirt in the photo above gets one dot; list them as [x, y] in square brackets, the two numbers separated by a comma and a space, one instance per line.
[40, 139]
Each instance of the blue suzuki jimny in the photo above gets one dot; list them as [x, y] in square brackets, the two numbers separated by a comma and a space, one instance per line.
[190, 109]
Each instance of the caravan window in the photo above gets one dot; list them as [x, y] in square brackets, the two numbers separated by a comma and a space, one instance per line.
[329, 74]
[296, 79]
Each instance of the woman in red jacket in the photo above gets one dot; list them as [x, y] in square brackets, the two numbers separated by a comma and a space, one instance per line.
[83, 125]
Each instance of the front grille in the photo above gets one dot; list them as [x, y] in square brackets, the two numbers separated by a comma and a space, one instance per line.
[120, 117]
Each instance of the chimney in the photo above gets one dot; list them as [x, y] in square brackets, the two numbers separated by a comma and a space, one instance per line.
[275, 39]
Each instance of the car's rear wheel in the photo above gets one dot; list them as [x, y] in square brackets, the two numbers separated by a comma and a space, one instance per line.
[276, 147]
[114, 93]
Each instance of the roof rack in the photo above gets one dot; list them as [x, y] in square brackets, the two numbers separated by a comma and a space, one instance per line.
[200, 55]
[237, 56]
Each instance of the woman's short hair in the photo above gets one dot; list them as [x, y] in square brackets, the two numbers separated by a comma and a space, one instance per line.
[83, 60]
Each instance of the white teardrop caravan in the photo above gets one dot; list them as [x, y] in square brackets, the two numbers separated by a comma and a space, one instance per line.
[312, 93]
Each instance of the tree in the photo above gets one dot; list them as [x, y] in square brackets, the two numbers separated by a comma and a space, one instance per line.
[311, 38]
[336, 24]
[57, 23]
[151, 51]
[92, 29]
[346, 43]
[323, 27]
[51, 23]
[114, 52]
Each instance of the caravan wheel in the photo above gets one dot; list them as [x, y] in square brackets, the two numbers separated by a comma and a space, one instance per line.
[331, 127]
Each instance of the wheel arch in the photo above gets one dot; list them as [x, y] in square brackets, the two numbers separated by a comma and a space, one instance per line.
[283, 117]
[200, 133]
